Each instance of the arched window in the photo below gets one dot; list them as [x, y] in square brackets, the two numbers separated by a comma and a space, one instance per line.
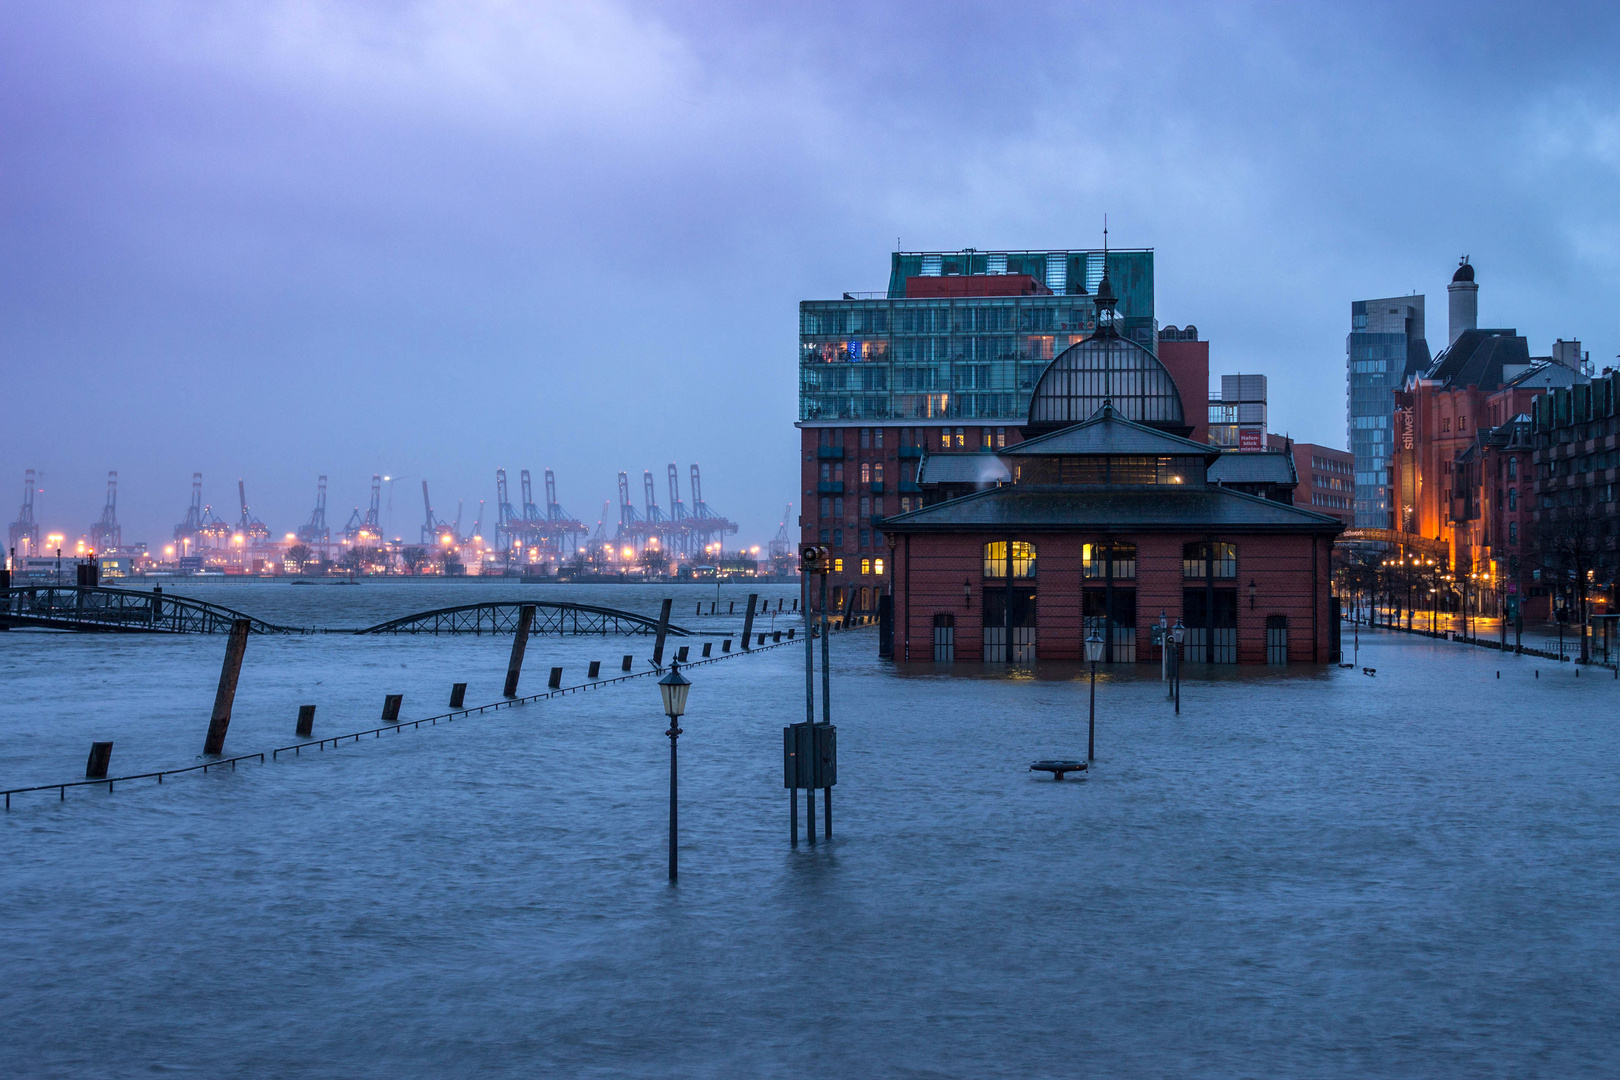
[1513, 498]
[1513, 468]
[1513, 532]
[996, 562]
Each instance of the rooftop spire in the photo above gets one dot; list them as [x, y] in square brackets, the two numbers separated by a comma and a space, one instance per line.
[1105, 298]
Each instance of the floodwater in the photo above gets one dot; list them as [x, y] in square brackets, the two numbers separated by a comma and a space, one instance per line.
[1310, 872]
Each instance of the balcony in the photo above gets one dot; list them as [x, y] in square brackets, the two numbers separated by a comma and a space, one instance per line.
[910, 452]
[830, 453]
[830, 487]
[877, 521]
[910, 487]
[877, 487]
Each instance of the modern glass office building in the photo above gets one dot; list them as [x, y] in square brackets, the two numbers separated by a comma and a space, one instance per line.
[960, 335]
[1385, 345]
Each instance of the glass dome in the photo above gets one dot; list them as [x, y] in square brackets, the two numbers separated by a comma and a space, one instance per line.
[1106, 367]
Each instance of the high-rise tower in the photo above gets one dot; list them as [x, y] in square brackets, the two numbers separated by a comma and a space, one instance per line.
[1385, 346]
[1464, 297]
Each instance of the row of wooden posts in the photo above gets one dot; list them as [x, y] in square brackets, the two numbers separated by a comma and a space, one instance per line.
[219, 720]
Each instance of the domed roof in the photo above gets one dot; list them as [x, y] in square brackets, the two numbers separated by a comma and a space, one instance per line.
[1464, 272]
[1106, 367]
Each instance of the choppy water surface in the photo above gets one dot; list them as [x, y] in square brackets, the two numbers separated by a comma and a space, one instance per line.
[1310, 873]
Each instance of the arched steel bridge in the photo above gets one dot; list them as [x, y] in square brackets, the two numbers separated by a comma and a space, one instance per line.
[70, 607]
[501, 617]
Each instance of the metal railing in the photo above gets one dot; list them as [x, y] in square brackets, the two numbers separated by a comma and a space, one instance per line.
[376, 732]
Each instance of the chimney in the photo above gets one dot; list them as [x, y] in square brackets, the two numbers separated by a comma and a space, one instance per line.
[1464, 297]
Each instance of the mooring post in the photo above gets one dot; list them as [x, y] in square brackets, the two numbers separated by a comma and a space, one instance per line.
[596, 669]
[225, 696]
[458, 694]
[626, 665]
[748, 621]
[555, 682]
[663, 632]
[680, 654]
[793, 815]
[100, 758]
[520, 641]
[306, 721]
[707, 647]
[391, 703]
[725, 644]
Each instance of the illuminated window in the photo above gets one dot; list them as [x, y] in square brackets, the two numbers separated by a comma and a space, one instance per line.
[995, 559]
[877, 473]
[986, 437]
[838, 566]
[866, 473]
[961, 438]
[866, 566]
[1001, 437]
[877, 567]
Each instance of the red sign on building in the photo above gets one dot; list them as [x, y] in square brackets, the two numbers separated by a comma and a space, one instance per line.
[1248, 439]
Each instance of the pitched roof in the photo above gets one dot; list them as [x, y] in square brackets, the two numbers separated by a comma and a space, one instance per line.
[1253, 467]
[962, 469]
[1476, 358]
[1107, 432]
[1111, 510]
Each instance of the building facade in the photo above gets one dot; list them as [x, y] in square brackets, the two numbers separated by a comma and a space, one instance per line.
[1575, 434]
[1327, 477]
[945, 363]
[1111, 527]
[1386, 346]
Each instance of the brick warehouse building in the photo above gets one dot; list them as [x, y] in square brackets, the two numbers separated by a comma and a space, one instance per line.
[1103, 518]
[943, 364]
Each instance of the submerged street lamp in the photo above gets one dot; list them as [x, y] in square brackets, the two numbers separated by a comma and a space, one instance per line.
[673, 688]
[1094, 653]
[1178, 634]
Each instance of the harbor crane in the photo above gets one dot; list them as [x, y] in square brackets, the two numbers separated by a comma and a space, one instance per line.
[316, 534]
[368, 527]
[24, 532]
[254, 532]
[105, 535]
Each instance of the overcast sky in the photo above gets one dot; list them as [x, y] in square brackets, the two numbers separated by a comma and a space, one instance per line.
[271, 240]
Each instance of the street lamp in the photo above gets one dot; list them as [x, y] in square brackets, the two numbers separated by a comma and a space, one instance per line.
[673, 688]
[1178, 634]
[1094, 653]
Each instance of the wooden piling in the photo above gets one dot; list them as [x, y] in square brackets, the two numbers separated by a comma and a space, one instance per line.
[100, 758]
[555, 682]
[458, 695]
[681, 653]
[520, 642]
[219, 722]
[626, 665]
[748, 620]
[391, 703]
[595, 670]
[725, 645]
[707, 646]
[663, 632]
[306, 721]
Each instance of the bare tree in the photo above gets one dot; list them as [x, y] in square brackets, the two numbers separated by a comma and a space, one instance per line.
[1572, 551]
[299, 555]
[413, 558]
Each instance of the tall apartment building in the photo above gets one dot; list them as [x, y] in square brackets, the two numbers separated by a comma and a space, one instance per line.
[944, 363]
[1385, 346]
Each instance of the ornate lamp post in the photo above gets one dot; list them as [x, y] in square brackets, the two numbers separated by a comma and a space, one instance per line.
[1094, 653]
[1178, 634]
[673, 688]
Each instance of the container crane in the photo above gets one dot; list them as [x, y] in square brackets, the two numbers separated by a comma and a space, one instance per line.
[368, 527]
[105, 535]
[707, 526]
[316, 534]
[252, 529]
[782, 543]
[24, 532]
[432, 528]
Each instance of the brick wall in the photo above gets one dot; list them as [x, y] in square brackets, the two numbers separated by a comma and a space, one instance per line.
[930, 570]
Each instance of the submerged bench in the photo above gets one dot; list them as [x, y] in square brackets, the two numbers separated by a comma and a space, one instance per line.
[1057, 768]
